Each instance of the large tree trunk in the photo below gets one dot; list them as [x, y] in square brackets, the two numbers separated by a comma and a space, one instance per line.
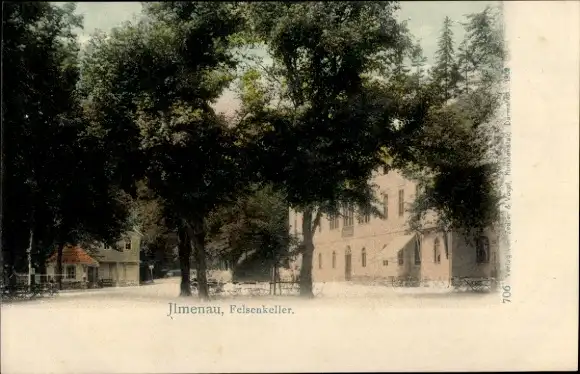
[2, 247]
[197, 231]
[42, 271]
[160, 261]
[39, 258]
[184, 248]
[307, 255]
[3, 193]
[306, 269]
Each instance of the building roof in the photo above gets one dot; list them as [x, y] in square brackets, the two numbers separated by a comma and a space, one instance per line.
[136, 231]
[74, 255]
[112, 255]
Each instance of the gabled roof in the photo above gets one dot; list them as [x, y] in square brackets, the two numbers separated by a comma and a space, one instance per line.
[74, 255]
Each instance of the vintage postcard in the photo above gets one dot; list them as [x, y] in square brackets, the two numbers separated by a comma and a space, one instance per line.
[200, 187]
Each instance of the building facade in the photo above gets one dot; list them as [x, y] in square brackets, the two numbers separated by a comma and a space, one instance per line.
[120, 266]
[76, 265]
[107, 266]
[367, 248]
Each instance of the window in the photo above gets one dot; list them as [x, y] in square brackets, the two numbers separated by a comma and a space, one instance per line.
[364, 257]
[436, 252]
[401, 202]
[385, 262]
[333, 222]
[400, 257]
[417, 190]
[333, 259]
[386, 206]
[482, 250]
[106, 246]
[365, 217]
[348, 219]
[320, 260]
[128, 244]
[351, 216]
[71, 272]
[417, 253]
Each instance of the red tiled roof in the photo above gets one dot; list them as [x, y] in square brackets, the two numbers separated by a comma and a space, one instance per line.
[74, 255]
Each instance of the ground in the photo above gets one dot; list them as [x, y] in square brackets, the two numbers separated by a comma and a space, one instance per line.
[127, 330]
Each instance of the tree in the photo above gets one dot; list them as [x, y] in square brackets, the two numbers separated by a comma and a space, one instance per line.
[26, 37]
[453, 158]
[456, 177]
[149, 86]
[254, 228]
[418, 61]
[55, 181]
[482, 52]
[155, 222]
[445, 71]
[464, 67]
[325, 55]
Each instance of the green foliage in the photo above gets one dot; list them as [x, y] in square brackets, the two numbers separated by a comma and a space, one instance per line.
[149, 88]
[322, 51]
[256, 226]
[341, 92]
[482, 52]
[458, 181]
[446, 72]
[452, 150]
[56, 182]
[322, 138]
[157, 224]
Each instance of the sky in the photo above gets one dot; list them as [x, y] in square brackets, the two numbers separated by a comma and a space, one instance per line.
[425, 20]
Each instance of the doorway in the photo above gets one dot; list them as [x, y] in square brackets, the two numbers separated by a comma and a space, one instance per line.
[348, 264]
[92, 275]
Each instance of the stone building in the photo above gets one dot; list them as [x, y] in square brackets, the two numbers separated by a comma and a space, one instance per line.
[371, 248]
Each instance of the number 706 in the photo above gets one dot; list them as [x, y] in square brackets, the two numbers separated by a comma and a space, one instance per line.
[506, 294]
